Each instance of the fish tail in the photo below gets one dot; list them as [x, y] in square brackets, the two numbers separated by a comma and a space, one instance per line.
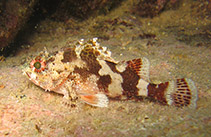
[179, 92]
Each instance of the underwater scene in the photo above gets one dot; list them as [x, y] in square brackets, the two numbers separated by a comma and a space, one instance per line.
[108, 68]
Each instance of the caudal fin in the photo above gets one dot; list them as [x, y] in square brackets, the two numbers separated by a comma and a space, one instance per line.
[181, 92]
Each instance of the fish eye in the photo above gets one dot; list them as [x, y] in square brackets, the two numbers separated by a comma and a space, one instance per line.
[38, 65]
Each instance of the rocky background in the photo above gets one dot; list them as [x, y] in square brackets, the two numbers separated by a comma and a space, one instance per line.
[175, 35]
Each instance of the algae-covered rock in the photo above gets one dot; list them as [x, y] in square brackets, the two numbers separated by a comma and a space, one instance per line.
[151, 8]
[83, 9]
[13, 15]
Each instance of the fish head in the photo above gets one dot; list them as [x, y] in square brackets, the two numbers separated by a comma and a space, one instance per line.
[50, 71]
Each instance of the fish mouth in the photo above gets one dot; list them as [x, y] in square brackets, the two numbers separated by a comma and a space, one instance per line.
[27, 74]
[45, 84]
[30, 76]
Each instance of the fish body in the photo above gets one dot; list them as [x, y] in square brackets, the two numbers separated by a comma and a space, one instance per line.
[87, 71]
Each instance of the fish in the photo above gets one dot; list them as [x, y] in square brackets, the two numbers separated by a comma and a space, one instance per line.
[87, 72]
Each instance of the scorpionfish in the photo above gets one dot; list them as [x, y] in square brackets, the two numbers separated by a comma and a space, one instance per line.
[86, 71]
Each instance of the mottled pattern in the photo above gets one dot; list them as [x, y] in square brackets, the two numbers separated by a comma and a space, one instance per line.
[182, 96]
[88, 71]
[69, 55]
[157, 92]
[103, 83]
[89, 56]
[130, 80]
[135, 65]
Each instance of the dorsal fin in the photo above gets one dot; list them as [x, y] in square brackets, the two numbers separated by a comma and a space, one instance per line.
[93, 47]
[141, 67]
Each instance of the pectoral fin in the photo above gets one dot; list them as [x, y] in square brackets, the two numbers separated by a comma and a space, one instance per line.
[98, 100]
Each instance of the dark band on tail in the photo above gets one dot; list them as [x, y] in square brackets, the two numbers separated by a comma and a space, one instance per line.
[157, 92]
